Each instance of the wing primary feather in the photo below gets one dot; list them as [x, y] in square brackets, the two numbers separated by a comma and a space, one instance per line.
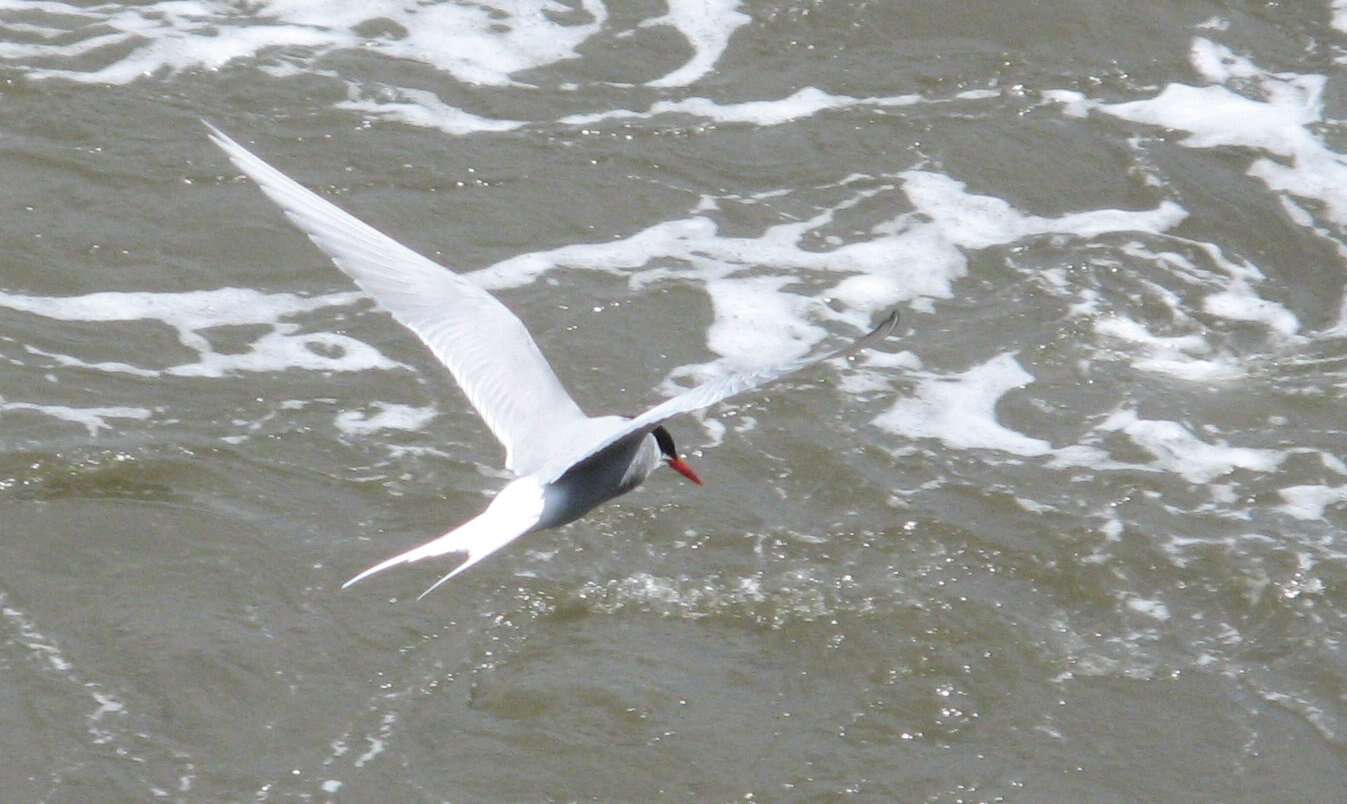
[484, 345]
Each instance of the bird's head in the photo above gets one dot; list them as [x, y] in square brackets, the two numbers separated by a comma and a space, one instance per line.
[670, 453]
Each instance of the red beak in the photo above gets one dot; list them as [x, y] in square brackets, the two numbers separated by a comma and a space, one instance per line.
[681, 467]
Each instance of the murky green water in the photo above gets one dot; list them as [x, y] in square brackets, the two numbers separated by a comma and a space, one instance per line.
[1074, 536]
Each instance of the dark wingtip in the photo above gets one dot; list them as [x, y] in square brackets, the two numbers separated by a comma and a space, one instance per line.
[879, 333]
[889, 324]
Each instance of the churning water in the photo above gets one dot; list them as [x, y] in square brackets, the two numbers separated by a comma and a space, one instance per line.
[1075, 535]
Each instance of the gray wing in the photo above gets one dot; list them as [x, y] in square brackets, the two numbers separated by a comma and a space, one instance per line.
[713, 391]
[485, 347]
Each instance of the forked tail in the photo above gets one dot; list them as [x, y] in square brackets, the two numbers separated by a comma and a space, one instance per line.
[514, 512]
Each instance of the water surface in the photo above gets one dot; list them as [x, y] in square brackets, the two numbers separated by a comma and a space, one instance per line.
[1073, 536]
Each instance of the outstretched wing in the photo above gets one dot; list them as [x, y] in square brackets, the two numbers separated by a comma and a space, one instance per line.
[485, 347]
[711, 392]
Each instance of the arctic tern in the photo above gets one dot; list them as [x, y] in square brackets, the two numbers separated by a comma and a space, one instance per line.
[564, 462]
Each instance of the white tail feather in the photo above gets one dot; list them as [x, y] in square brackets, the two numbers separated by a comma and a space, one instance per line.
[514, 512]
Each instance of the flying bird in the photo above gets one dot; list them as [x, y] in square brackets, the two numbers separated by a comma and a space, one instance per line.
[564, 462]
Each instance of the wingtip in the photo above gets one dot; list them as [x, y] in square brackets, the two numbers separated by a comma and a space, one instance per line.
[874, 336]
[380, 567]
[358, 578]
[889, 324]
[215, 132]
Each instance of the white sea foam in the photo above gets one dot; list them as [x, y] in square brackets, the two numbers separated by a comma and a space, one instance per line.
[418, 107]
[971, 221]
[753, 317]
[708, 26]
[484, 42]
[912, 257]
[874, 371]
[907, 264]
[93, 419]
[1188, 357]
[1309, 502]
[1176, 449]
[805, 103]
[193, 313]
[166, 36]
[1274, 115]
[981, 221]
[960, 409]
[389, 417]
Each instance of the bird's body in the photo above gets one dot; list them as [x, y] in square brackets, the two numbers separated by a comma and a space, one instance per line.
[565, 462]
[612, 472]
